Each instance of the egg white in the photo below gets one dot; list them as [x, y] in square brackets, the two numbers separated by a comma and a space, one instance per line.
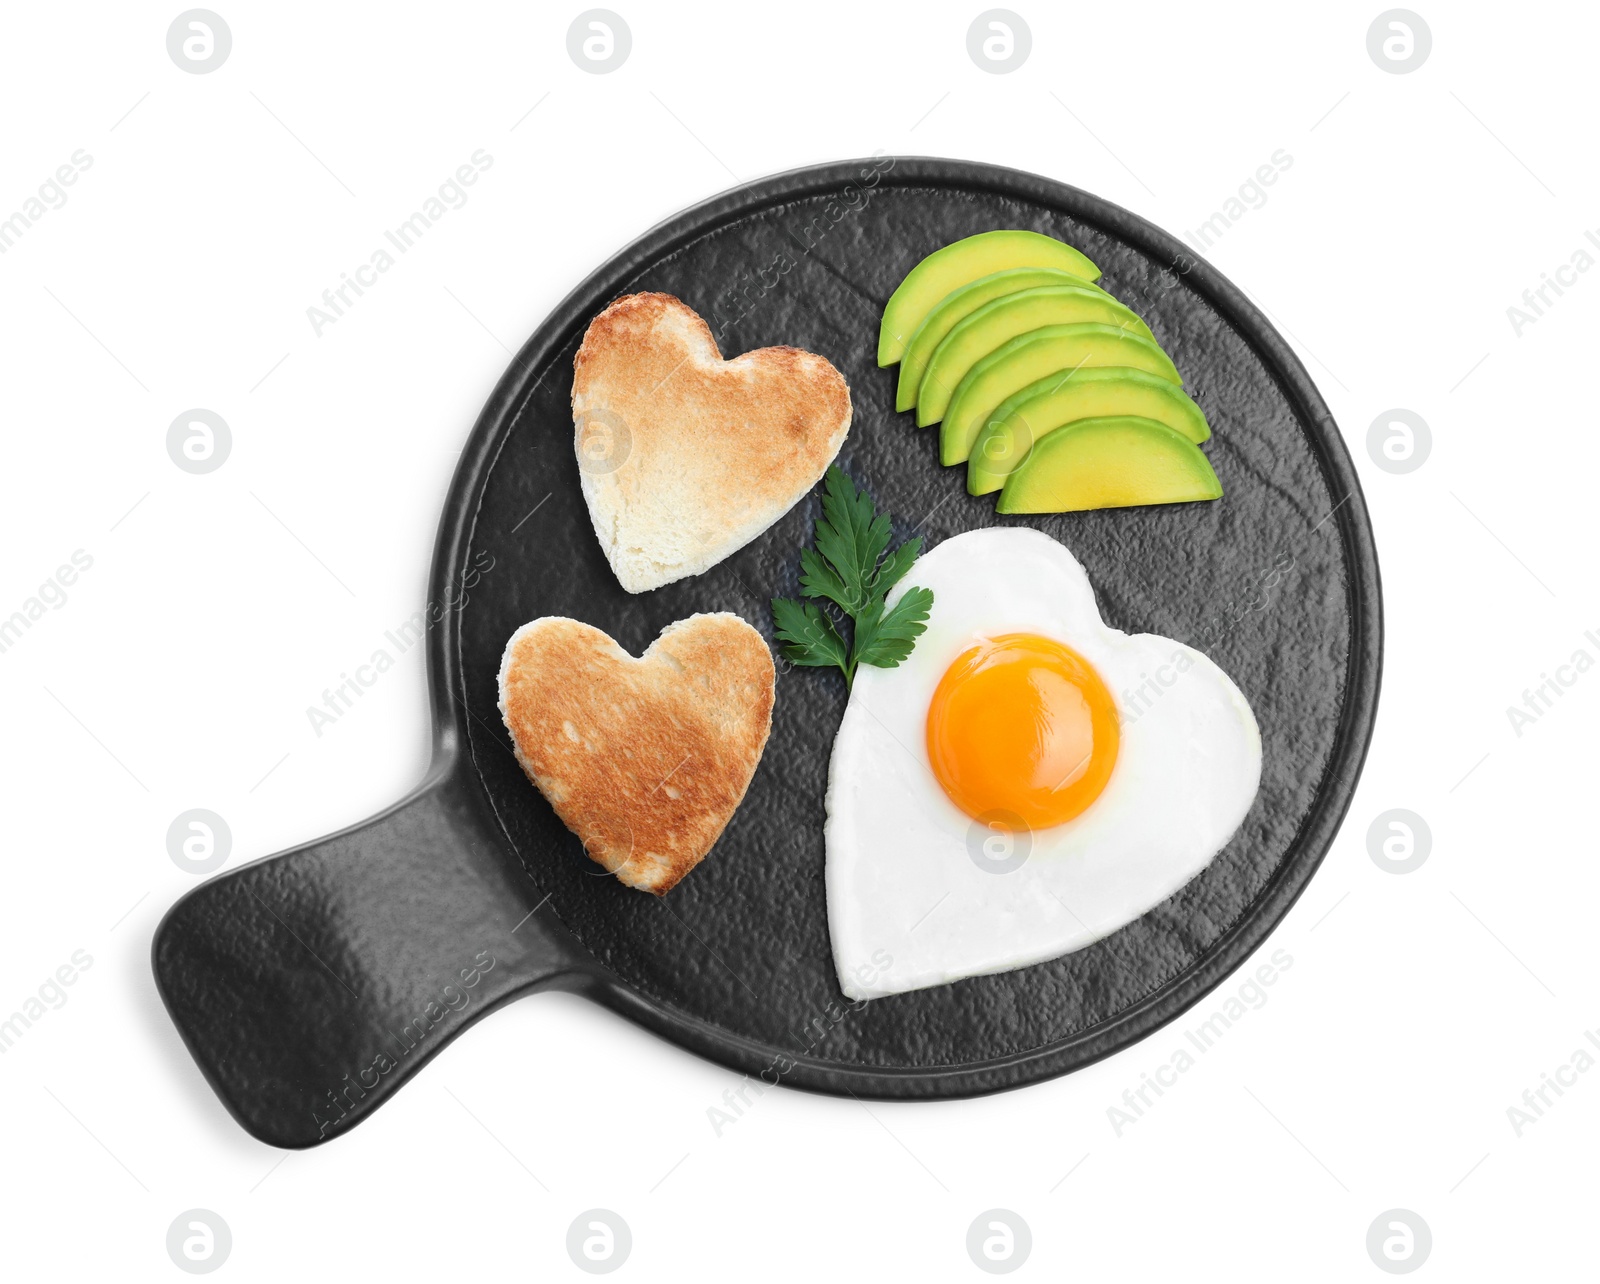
[908, 905]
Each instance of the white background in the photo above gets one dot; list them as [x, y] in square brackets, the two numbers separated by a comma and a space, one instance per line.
[218, 207]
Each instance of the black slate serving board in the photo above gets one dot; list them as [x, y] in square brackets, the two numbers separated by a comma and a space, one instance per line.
[311, 984]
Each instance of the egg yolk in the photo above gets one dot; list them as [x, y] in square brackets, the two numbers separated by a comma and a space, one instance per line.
[1021, 724]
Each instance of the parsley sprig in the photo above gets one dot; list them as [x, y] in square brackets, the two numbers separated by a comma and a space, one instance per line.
[848, 575]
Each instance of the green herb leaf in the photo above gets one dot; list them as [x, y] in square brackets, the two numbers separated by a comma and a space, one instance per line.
[848, 569]
[809, 637]
[883, 639]
[894, 568]
[818, 579]
[851, 537]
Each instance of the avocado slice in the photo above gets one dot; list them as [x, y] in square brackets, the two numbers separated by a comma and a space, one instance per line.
[959, 263]
[1059, 400]
[1118, 461]
[1002, 320]
[1052, 349]
[961, 303]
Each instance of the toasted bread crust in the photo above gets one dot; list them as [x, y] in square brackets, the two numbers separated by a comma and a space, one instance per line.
[644, 759]
[684, 457]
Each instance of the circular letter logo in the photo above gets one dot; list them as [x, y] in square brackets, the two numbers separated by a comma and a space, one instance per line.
[599, 41]
[1399, 441]
[1399, 841]
[1399, 41]
[999, 842]
[599, 1241]
[999, 1241]
[604, 442]
[199, 841]
[199, 1241]
[199, 41]
[1399, 1241]
[199, 441]
[999, 41]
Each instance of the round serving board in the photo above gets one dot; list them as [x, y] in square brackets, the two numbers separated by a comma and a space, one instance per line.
[1277, 582]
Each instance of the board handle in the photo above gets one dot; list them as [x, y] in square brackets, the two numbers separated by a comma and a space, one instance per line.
[310, 985]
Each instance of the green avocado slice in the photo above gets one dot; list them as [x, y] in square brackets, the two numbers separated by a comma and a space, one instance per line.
[959, 263]
[1053, 349]
[1058, 400]
[962, 303]
[1004, 319]
[1119, 461]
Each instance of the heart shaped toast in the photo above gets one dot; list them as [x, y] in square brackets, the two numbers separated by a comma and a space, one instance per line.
[644, 759]
[684, 457]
